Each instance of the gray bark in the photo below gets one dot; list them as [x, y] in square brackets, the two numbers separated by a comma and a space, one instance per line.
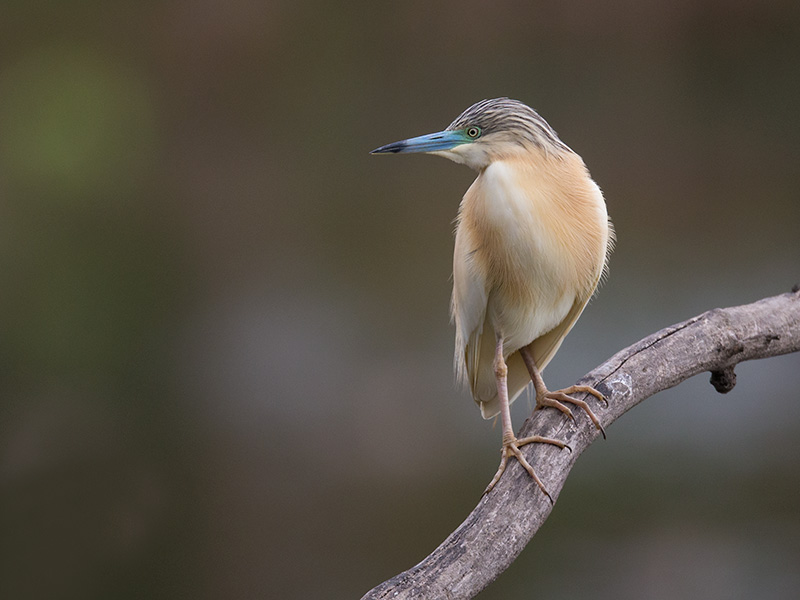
[506, 519]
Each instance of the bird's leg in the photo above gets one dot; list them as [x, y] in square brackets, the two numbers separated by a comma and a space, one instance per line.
[545, 397]
[511, 444]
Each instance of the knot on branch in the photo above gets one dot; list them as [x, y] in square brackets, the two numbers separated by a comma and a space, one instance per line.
[724, 380]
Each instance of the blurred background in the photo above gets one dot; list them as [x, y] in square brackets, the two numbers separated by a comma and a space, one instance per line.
[225, 353]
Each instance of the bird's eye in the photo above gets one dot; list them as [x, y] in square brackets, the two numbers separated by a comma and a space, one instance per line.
[473, 132]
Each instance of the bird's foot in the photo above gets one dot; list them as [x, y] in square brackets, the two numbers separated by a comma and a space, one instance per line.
[511, 449]
[559, 397]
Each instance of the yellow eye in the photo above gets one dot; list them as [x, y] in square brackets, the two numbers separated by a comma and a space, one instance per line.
[473, 132]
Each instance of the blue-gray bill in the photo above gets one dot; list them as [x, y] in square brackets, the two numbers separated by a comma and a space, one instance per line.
[433, 142]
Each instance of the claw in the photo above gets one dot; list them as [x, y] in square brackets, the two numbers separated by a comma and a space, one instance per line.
[586, 389]
[553, 401]
[559, 396]
[545, 398]
[511, 448]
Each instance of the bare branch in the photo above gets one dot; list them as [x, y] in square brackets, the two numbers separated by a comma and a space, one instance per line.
[505, 520]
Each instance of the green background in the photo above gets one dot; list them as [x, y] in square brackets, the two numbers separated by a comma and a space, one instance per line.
[225, 355]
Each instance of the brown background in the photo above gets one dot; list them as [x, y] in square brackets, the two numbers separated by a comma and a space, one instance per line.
[225, 356]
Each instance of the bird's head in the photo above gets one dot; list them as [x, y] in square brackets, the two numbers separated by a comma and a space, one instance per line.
[487, 131]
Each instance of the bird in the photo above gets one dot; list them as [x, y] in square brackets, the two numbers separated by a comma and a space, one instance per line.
[532, 243]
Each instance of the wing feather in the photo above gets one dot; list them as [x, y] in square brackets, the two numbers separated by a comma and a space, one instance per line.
[468, 308]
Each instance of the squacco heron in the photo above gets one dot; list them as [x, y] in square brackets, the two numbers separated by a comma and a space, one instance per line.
[532, 244]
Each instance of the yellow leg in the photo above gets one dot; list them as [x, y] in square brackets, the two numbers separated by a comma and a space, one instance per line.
[511, 444]
[556, 399]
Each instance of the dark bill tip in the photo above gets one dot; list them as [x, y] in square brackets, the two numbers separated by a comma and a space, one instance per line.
[394, 148]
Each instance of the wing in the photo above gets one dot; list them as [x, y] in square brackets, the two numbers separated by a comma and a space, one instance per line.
[468, 309]
[475, 336]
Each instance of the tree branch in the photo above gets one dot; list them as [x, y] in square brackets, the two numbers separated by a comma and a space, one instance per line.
[505, 520]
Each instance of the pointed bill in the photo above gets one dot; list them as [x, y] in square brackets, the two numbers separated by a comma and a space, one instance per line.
[433, 142]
